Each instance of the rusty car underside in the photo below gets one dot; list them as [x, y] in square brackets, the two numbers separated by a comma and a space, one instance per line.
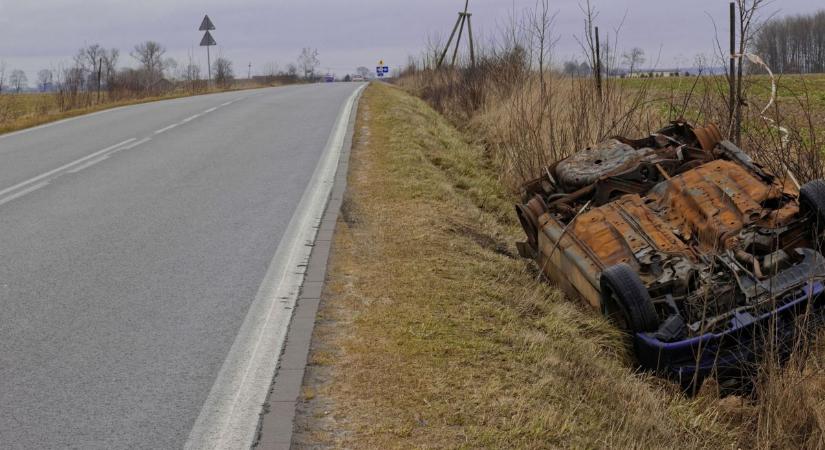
[712, 235]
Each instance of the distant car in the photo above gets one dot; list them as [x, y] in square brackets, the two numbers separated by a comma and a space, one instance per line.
[329, 78]
[703, 256]
[357, 78]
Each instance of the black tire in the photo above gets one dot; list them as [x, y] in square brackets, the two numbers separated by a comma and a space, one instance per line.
[812, 204]
[625, 300]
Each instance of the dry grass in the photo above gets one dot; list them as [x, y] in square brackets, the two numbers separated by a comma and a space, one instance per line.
[432, 335]
[20, 111]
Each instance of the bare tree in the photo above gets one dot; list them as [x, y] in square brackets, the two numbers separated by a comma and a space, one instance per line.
[270, 70]
[308, 62]
[192, 73]
[748, 20]
[633, 58]
[794, 44]
[18, 80]
[150, 55]
[222, 68]
[363, 71]
[291, 70]
[170, 65]
[2, 75]
[109, 67]
[44, 79]
[589, 45]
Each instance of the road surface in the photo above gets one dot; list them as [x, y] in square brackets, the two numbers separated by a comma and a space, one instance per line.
[134, 243]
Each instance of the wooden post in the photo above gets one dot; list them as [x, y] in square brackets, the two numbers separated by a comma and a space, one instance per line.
[461, 18]
[449, 41]
[598, 67]
[472, 45]
[740, 54]
[99, 74]
[732, 77]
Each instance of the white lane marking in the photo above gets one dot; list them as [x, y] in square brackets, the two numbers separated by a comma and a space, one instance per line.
[107, 155]
[23, 192]
[190, 118]
[165, 129]
[228, 103]
[133, 145]
[64, 167]
[89, 164]
[210, 110]
[229, 416]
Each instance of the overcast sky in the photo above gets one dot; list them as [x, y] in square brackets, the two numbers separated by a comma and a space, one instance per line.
[37, 34]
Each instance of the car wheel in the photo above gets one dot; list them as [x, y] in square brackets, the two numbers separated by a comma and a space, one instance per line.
[625, 300]
[812, 203]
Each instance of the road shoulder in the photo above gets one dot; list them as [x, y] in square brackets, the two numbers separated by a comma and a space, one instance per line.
[277, 419]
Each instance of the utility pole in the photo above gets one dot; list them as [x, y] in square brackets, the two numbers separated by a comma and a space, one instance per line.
[464, 18]
[207, 42]
[249, 74]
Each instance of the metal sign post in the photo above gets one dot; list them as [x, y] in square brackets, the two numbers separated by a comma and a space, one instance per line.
[207, 42]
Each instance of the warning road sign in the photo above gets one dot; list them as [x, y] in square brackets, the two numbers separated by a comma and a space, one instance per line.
[207, 24]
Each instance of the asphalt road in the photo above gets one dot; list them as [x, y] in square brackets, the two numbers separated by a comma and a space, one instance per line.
[133, 243]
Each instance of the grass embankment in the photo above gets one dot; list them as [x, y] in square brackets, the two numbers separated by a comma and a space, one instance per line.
[20, 111]
[433, 334]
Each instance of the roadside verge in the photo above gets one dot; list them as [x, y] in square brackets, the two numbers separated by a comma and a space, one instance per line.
[432, 333]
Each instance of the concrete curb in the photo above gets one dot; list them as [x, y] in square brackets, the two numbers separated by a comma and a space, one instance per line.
[277, 419]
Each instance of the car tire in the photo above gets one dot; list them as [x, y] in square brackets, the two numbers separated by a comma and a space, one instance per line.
[625, 300]
[812, 203]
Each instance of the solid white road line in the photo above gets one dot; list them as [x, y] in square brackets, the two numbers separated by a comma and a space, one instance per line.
[64, 167]
[229, 416]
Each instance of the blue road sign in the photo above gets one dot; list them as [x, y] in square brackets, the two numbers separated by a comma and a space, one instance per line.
[385, 69]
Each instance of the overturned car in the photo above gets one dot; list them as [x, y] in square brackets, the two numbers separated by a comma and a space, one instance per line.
[702, 255]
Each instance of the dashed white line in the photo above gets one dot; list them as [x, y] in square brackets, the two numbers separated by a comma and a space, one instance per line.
[165, 129]
[89, 164]
[190, 118]
[210, 110]
[23, 192]
[52, 172]
[135, 144]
